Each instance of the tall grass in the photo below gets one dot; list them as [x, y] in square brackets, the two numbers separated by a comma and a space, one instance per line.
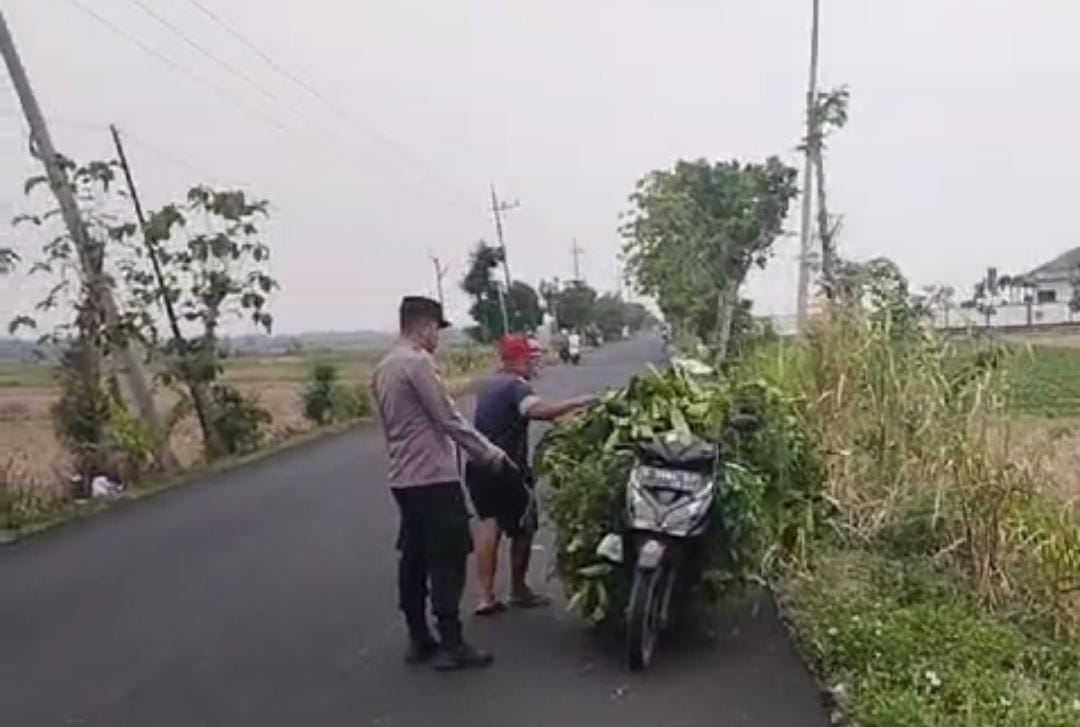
[920, 460]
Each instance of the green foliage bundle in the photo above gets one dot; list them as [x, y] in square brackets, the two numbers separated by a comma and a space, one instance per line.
[767, 491]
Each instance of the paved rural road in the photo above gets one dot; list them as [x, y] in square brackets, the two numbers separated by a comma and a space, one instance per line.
[264, 597]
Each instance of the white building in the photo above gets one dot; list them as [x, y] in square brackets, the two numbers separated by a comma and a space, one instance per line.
[1040, 297]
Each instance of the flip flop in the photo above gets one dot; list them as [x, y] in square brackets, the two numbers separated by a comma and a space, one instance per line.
[531, 600]
[491, 609]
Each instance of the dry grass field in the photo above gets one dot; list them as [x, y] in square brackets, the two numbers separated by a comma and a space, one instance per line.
[31, 452]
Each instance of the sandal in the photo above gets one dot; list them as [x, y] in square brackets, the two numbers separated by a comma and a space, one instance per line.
[490, 609]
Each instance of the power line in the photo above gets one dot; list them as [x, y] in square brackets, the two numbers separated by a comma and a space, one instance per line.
[391, 143]
[204, 51]
[201, 79]
[147, 48]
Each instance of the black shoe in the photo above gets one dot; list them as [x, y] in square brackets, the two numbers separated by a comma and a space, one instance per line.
[421, 651]
[461, 657]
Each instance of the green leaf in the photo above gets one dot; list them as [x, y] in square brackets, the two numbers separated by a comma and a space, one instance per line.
[33, 182]
[19, 322]
[596, 570]
[20, 219]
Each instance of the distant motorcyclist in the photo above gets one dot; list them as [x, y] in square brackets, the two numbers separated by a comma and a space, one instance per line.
[573, 346]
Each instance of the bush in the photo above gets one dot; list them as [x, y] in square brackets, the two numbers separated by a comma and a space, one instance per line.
[81, 414]
[129, 445]
[238, 421]
[326, 401]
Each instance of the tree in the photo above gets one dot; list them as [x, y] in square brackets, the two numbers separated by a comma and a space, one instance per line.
[830, 114]
[982, 299]
[78, 281]
[522, 304]
[880, 287]
[576, 306]
[637, 316]
[215, 269]
[523, 307]
[695, 231]
[610, 316]
[941, 298]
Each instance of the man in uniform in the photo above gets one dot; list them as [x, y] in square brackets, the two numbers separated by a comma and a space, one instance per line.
[423, 431]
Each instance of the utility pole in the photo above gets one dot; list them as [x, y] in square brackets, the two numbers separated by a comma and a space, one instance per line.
[90, 262]
[163, 289]
[440, 273]
[803, 302]
[502, 308]
[497, 208]
[576, 251]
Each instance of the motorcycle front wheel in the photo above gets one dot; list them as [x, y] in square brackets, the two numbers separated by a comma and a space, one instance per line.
[646, 614]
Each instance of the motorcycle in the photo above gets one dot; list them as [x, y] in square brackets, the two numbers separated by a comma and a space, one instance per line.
[670, 495]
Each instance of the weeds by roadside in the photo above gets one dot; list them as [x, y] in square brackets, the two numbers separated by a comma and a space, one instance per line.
[899, 644]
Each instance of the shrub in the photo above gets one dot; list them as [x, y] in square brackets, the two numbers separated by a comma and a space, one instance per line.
[130, 450]
[81, 414]
[238, 420]
[325, 400]
[318, 398]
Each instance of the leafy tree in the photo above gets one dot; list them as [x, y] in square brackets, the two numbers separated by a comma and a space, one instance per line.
[78, 280]
[524, 307]
[576, 306]
[695, 231]
[637, 316]
[522, 303]
[942, 298]
[610, 316]
[213, 264]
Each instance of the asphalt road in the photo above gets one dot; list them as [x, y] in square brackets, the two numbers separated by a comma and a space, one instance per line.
[265, 597]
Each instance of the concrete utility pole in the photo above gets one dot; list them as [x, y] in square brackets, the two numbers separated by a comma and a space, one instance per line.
[440, 273]
[502, 308]
[576, 251]
[803, 302]
[497, 208]
[91, 264]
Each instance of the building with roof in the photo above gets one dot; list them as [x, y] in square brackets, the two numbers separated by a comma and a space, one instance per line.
[1051, 282]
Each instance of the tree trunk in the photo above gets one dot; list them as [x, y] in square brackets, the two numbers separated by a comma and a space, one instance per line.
[726, 300]
[828, 253]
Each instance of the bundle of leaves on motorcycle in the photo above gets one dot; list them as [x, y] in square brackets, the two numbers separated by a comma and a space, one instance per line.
[685, 485]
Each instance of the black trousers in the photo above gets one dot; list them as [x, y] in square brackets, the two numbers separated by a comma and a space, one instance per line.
[434, 544]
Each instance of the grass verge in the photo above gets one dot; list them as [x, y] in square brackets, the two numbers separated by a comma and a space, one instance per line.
[898, 644]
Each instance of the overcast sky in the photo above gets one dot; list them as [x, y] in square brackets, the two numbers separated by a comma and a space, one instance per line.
[961, 151]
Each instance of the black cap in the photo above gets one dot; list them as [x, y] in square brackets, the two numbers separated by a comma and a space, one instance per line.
[417, 308]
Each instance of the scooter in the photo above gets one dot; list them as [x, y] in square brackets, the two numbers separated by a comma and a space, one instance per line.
[670, 495]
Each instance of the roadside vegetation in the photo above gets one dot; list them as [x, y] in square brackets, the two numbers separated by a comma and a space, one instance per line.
[899, 491]
[945, 583]
[127, 293]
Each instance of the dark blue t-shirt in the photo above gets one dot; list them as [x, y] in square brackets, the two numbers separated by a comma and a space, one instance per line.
[499, 417]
